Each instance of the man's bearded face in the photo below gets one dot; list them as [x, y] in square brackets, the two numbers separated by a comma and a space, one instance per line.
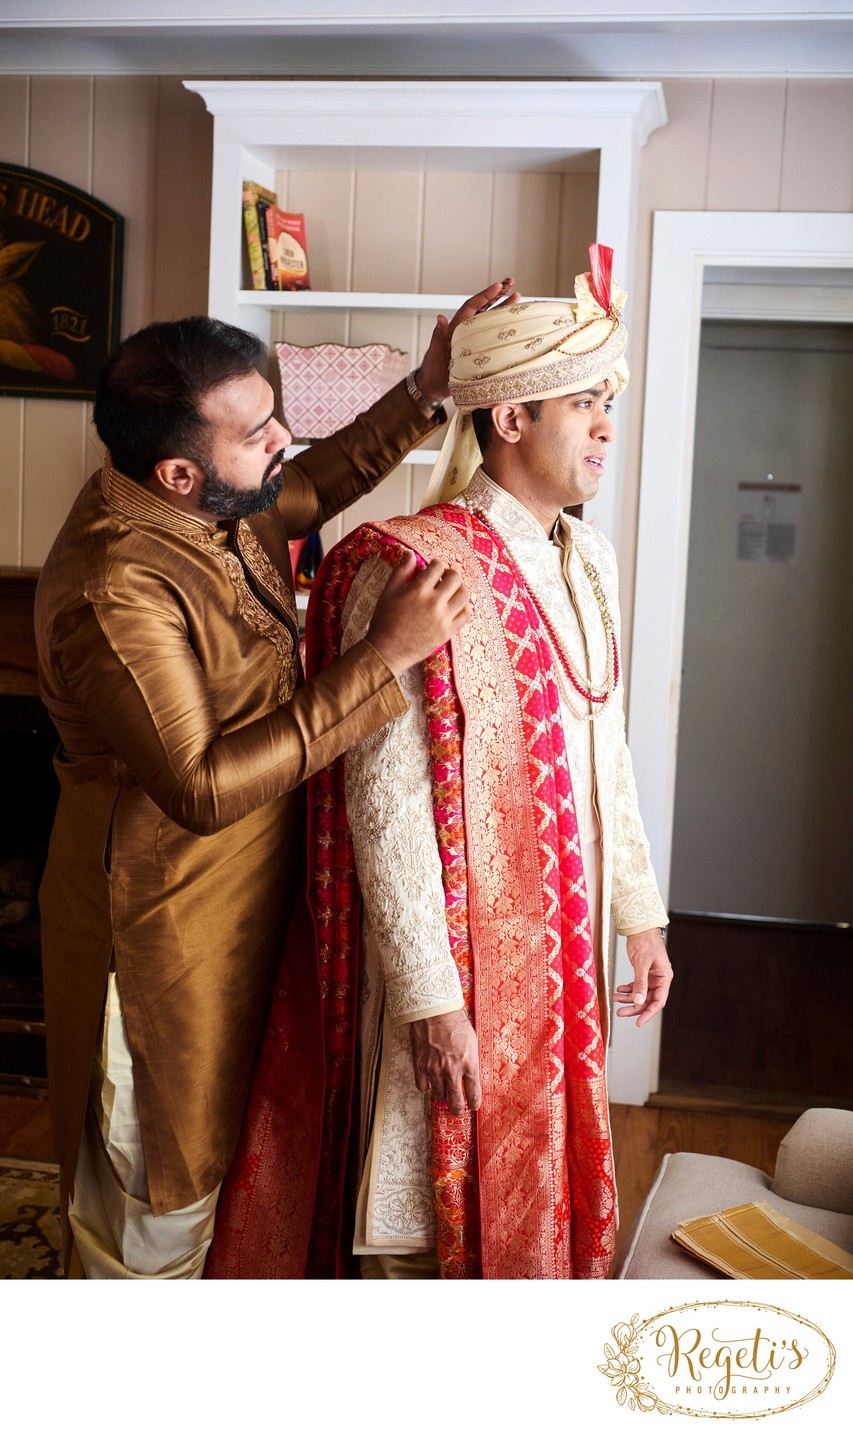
[227, 501]
[241, 465]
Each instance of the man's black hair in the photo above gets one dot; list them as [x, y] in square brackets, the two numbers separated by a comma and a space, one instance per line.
[149, 391]
[484, 428]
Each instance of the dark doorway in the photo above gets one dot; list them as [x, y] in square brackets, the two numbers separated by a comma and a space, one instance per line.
[762, 869]
[760, 1015]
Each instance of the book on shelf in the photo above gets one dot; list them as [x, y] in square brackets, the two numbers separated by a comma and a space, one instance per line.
[267, 250]
[288, 249]
[252, 194]
[756, 1240]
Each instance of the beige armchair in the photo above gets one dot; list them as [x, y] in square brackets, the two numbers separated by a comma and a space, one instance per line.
[813, 1184]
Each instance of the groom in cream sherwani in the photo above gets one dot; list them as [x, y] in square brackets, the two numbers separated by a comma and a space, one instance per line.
[534, 387]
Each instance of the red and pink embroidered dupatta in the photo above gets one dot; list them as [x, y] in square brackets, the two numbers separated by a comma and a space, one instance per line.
[525, 1189]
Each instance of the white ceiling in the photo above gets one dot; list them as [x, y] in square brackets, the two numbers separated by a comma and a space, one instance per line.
[630, 39]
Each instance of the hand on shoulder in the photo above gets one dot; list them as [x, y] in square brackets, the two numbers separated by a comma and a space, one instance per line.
[417, 612]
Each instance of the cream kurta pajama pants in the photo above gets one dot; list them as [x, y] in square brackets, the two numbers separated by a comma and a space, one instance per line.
[116, 1235]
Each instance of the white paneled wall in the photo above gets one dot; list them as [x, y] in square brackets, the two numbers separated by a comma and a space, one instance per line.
[730, 145]
[143, 146]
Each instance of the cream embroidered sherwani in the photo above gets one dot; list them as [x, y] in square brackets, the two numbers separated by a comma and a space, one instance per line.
[168, 662]
[408, 969]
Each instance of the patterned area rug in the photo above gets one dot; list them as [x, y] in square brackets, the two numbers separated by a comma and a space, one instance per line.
[30, 1242]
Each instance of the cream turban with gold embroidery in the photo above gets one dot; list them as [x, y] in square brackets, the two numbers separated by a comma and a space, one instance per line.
[533, 350]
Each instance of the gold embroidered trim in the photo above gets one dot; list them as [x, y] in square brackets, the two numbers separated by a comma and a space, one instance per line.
[265, 571]
[137, 502]
[262, 621]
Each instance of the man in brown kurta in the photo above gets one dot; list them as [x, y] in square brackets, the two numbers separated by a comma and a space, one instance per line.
[168, 650]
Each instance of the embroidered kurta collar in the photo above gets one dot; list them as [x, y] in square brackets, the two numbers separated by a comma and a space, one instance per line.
[507, 515]
[137, 502]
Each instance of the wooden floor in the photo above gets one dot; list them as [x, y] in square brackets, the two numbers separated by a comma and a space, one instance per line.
[25, 1128]
[641, 1137]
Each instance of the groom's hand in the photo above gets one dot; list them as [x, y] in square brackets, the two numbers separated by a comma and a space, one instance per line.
[447, 1061]
[652, 977]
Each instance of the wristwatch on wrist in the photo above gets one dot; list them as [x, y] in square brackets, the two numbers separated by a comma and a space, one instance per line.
[416, 394]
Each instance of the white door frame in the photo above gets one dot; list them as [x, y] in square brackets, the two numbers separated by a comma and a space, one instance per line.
[684, 243]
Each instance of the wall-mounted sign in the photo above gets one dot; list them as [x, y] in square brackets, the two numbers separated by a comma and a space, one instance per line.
[768, 515]
[60, 285]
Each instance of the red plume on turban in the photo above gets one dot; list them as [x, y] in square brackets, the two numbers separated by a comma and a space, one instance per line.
[601, 262]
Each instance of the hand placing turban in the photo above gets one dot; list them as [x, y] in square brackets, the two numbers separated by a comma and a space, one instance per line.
[537, 349]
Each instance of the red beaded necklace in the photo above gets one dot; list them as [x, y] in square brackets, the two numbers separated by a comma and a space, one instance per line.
[586, 690]
[593, 696]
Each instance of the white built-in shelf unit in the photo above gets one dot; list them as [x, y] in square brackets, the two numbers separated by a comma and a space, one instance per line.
[263, 128]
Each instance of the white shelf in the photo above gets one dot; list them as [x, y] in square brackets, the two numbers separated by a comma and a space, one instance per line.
[415, 456]
[351, 299]
[343, 299]
[542, 120]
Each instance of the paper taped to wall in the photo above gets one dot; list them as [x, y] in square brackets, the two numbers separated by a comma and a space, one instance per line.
[768, 515]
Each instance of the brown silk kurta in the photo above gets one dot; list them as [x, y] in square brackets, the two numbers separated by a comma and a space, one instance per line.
[167, 652]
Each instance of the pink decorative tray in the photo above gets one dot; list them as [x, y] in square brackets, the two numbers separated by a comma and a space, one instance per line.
[324, 386]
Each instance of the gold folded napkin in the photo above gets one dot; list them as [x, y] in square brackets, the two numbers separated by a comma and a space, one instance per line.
[755, 1240]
